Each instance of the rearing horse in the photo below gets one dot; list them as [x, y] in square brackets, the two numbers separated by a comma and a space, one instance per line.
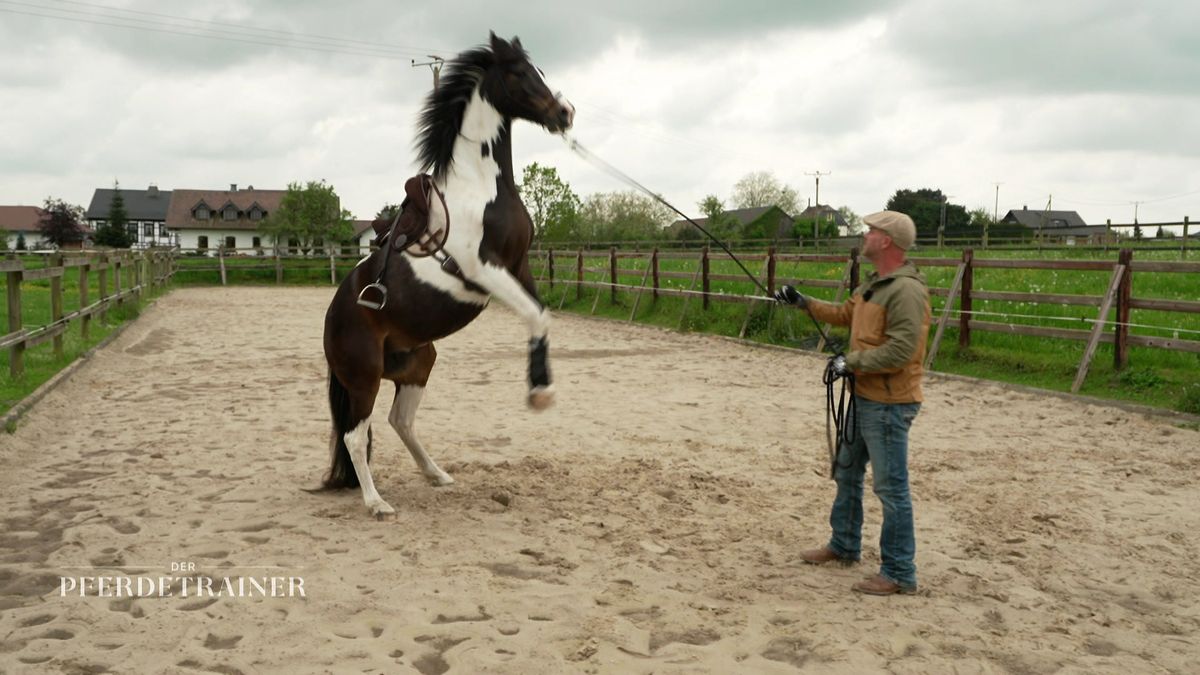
[465, 142]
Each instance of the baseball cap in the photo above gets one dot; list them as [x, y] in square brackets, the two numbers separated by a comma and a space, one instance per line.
[896, 225]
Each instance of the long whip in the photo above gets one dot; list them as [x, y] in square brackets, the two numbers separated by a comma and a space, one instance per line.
[613, 171]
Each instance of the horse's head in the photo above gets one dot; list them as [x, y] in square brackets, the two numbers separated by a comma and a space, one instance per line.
[517, 89]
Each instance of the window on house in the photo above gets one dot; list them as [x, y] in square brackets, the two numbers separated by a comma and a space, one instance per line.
[202, 242]
[148, 230]
[256, 214]
[230, 213]
[202, 213]
[231, 242]
[257, 242]
[293, 245]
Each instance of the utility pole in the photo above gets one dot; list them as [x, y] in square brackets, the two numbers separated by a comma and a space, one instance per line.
[435, 65]
[818, 175]
[942, 223]
[995, 215]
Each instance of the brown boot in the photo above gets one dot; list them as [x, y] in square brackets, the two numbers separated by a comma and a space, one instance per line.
[877, 585]
[820, 556]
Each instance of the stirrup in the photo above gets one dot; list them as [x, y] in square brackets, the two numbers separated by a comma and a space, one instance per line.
[373, 305]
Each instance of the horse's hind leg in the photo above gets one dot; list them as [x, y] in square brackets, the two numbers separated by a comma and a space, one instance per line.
[410, 388]
[351, 441]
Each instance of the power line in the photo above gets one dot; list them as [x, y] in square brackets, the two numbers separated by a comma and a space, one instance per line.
[260, 41]
[288, 34]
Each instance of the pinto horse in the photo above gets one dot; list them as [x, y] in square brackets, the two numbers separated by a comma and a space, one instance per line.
[465, 142]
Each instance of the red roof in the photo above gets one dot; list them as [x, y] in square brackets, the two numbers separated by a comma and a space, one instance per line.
[179, 213]
[20, 218]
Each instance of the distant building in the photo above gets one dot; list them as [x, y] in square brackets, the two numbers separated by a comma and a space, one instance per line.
[824, 213]
[1067, 226]
[771, 218]
[145, 209]
[1061, 221]
[209, 219]
[20, 220]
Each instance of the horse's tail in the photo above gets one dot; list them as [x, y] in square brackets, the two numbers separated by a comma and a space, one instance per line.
[341, 467]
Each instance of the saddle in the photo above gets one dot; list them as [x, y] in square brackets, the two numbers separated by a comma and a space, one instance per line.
[409, 231]
[410, 228]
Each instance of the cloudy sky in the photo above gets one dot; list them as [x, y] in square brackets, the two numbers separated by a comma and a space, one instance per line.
[1091, 102]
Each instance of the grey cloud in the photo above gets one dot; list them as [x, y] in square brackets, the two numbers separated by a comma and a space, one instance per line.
[1041, 47]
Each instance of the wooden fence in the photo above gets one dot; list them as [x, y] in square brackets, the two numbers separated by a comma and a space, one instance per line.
[151, 270]
[1118, 295]
[222, 261]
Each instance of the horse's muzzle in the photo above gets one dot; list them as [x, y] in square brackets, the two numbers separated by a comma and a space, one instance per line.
[562, 115]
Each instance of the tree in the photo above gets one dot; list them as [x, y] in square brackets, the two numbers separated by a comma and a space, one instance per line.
[762, 188]
[553, 206]
[622, 216]
[720, 224]
[312, 215]
[388, 212]
[3, 240]
[854, 224]
[924, 206]
[61, 223]
[115, 232]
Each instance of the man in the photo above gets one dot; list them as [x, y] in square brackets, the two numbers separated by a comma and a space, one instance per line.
[889, 318]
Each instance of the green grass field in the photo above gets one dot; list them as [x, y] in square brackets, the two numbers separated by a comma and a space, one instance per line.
[1154, 377]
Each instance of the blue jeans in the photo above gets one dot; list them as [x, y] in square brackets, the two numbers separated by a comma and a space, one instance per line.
[881, 437]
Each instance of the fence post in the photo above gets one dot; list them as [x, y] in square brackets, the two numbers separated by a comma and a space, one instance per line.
[102, 283]
[221, 262]
[855, 270]
[1124, 294]
[16, 353]
[704, 280]
[116, 261]
[771, 269]
[332, 269]
[56, 301]
[550, 266]
[579, 275]
[138, 276]
[654, 270]
[85, 322]
[1183, 246]
[964, 299]
[612, 273]
[1107, 233]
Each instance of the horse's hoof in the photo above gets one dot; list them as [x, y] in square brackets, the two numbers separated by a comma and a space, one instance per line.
[383, 511]
[441, 480]
[541, 398]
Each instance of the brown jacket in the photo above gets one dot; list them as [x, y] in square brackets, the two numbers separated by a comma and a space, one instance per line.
[889, 324]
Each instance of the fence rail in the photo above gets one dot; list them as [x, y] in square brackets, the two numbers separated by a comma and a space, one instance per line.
[569, 268]
[151, 270]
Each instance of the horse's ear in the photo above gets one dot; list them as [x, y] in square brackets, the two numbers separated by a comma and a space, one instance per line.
[516, 43]
[498, 44]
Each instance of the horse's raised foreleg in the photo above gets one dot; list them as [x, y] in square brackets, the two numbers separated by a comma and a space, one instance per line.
[410, 388]
[521, 295]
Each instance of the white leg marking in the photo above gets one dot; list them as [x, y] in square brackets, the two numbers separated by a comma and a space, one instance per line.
[404, 411]
[356, 442]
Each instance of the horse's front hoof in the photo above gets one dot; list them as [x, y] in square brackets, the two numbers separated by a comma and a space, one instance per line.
[541, 398]
[440, 479]
[382, 511]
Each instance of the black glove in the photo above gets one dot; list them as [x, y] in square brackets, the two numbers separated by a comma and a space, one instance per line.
[790, 296]
[837, 366]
